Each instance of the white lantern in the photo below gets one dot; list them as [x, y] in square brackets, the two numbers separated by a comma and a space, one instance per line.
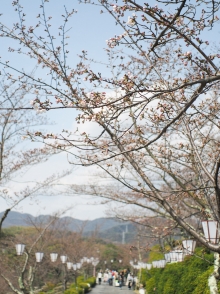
[112, 260]
[53, 257]
[149, 266]
[180, 256]
[74, 267]
[173, 256]
[63, 258]
[78, 265]
[88, 260]
[69, 265]
[162, 263]
[154, 263]
[158, 263]
[39, 256]
[95, 262]
[211, 231]
[20, 249]
[167, 257]
[140, 263]
[189, 246]
[120, 260]
[144, 265]
[92, 258]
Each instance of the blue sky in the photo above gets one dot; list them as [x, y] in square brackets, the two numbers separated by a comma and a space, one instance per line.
[89, 30]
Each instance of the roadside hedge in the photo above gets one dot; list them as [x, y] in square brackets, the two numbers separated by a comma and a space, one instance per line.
[189, 276]
[82, 286]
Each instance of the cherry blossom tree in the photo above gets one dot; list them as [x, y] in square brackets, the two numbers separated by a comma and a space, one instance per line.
[155, 110]
[17, 155]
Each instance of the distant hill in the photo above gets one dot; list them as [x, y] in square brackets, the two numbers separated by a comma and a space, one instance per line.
[110, 229]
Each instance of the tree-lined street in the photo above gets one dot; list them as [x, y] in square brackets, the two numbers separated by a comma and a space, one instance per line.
[144, 111]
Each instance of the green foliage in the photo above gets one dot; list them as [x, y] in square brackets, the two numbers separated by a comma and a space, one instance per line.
[111, 252]
[11, 231]
[75, 290]
[189, 276]
[82, 286]
[202, 283]
[91, 281]
[155, 253]
[143, 277]
[80, 279]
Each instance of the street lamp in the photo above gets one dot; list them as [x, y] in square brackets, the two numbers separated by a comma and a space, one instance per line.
[167, 257]
[211, 230]
[173, 256]
[63, 258]
[149, 266]
[189, 246]
[69, 265]
[94, 263]
[53, 257]
[39, 256]
[74, 267]
[180, 256]
[161, 263]
[20, 249]
[78, 265]
[144, 265]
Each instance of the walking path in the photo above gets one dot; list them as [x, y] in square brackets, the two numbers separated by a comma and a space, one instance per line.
[104, 288]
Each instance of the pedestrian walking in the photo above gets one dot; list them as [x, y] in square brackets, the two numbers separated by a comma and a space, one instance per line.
[110, 278]
[130, 282]
[120, 280]
[100, 278]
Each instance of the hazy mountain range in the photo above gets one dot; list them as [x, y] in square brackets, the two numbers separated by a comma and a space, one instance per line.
[110, 229]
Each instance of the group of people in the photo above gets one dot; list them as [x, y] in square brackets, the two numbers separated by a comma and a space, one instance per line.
[117, 278]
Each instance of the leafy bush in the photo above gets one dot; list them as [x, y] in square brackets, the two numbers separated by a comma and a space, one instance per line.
[84, 286]
[202, 283]
[189, 276]
[155, 253]
[74, 290]
[91, 281]
[80, 279]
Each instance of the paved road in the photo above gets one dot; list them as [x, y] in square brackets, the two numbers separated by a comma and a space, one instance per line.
[106, 289]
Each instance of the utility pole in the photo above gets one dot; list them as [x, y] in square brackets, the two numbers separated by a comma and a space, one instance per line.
[123, 234]
[123, 237]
